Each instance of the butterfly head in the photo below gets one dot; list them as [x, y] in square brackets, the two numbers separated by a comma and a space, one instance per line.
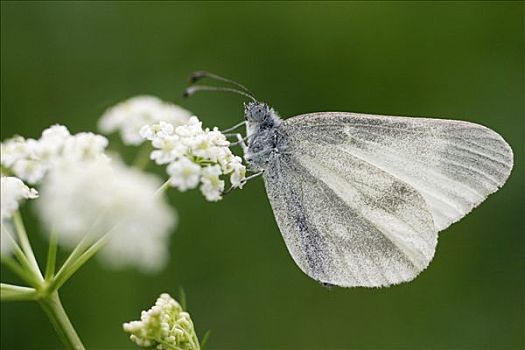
[256, 112]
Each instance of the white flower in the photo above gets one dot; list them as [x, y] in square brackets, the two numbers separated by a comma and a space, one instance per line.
[103, 195]
[200, 146]
[56, 132]
[157, 130]
[168, 149]
[31, 159]
[31, 171]
[164, 326]
[212, 186]
[184, 174]
[84, 146]
[13, 192]
[194, 155]
[217, 138]
[192, 127]
[13, 150]
[130, 116]
[48, 149]
[238, 172]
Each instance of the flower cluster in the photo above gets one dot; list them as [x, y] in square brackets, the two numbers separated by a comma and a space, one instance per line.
[13, 192]
[195, 156]
[85, 193]
[31, 159]
[130, 116]
[97, 197]
[165, 326]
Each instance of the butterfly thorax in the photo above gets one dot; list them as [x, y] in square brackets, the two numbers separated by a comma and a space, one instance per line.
[262, 125]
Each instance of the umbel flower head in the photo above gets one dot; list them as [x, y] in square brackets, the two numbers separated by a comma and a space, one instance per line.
[166, 326]
[85, 194]
[195, 156]
[130, 116]
[31, 159]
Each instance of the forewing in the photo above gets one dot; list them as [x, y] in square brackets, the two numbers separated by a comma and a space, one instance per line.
[346, 222]
[454, 165]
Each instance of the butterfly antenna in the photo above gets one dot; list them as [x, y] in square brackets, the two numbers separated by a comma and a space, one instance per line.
[196, 88]
[196, 76]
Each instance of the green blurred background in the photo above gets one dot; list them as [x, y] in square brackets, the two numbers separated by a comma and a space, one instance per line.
[67, 62]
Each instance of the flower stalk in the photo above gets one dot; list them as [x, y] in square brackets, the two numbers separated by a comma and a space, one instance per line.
[122, 204]
[26, 246]
[57, 315]
[44, 290]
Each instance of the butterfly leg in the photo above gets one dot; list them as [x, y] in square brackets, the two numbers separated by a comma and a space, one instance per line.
[252, 176]
[242, 142]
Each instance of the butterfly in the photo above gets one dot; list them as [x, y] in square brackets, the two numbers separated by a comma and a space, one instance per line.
[360, 198]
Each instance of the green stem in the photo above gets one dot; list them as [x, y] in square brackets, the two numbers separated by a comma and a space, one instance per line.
[26, 246]
[20, 271]
[73, 256]
[162, 188]
[51, 256]
[24, 270]
[10, 292]
[58, 317]
[64, 274]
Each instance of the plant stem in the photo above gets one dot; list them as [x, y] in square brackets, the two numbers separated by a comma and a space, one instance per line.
[162, 188]
[63, 275]
[20, 270]
[51, 256]
[58, 317]
[26, 246]
[11, 292]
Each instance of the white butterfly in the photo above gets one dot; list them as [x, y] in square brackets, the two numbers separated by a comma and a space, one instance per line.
[360, 198]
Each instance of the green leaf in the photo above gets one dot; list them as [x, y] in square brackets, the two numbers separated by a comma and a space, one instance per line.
[205, 338]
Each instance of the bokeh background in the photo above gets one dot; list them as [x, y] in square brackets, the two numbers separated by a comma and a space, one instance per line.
[67, 62]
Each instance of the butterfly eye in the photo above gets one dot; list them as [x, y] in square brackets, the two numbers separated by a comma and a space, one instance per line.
[256, 111]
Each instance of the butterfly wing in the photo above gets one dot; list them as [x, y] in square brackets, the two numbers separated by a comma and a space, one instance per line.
[359, 199]
[454, 165]
[346, 222]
